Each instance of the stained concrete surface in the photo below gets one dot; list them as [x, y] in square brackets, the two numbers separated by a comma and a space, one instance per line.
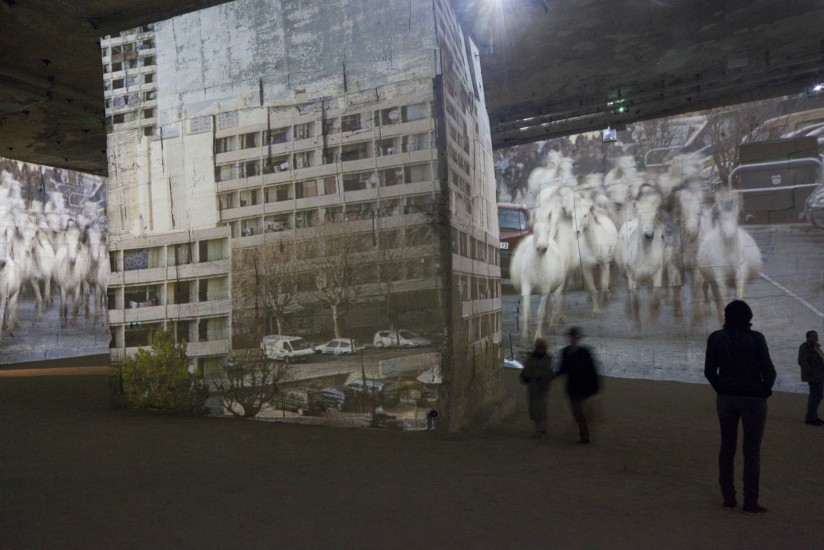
[75, 473]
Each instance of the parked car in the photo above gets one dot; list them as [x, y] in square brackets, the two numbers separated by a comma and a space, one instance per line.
[814, 207]
[285, 348]
[303, 401]
[333, 398]
[339, 346]
[399, 339]
[383, 392]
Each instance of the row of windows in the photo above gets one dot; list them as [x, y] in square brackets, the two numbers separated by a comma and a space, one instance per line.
[195, 330]
[147, 43]
[312, 217]
[478, 288]
[176, 292]
[332, 155]
[129, 63]
[346, 123]
[475, 249]
[128, 81]
[129, 99]
[208, 250]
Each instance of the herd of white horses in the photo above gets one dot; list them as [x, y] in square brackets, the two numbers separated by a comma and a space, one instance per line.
[657, 229]
[48, 247]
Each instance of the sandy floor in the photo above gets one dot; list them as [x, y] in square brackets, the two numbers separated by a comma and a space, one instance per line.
[76, 474]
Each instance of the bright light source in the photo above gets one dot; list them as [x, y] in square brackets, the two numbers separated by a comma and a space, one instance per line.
[818, 87]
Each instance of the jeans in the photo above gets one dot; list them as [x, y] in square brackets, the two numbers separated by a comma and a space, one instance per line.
[816, 393]
[752, 412]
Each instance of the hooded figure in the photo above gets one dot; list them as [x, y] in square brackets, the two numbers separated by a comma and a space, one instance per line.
[739, 367]
[537, 375]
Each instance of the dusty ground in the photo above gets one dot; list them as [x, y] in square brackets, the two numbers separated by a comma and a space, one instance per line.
[76, 474]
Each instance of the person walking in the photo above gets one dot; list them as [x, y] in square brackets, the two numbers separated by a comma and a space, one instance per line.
[739, 368]
[578, 364]
[537, 375]
[811, 361]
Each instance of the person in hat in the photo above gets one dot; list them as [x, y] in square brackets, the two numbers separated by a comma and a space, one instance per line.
[537, 375]
[739, 368]
[578, 364]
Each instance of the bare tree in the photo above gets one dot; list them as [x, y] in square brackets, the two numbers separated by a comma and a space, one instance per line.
[336, 270]
[728, 128]
[247, 381]
[267, 279]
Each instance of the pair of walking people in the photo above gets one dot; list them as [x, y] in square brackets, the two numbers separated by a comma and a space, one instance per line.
[577, 363]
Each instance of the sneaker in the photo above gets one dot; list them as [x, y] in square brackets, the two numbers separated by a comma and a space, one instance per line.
[753, 509]
[730, 503]
[815, 422]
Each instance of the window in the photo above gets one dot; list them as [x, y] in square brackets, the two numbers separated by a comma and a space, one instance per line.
[179, 292]
[148, 61]
[117, 66]
[355, 151]
[391, 176]
[306, 189]
[306, 218]
[388, 146]
[303, 131]
[303, 160]
[148, 78]
[276, 164]
[331, 126]
[250, 140]
[211, 250]
[148, 113]
[387, 117]
[416, 142]
[249, 197]
[359, 181]
[418, 173]
[417, 111]
[278, 135]
[181, 254]
[225, 172]
[330, 185]
[225, 144]
[117, 83]
[250, 168]
[277, 193]
[351, 123]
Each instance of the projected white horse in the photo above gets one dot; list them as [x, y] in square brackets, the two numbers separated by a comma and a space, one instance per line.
[728, 256]
[537, 265]
[640, 253]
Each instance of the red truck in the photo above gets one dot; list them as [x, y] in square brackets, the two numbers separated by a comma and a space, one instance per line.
[513, 225]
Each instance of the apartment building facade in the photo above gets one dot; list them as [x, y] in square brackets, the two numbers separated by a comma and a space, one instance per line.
[278, 185]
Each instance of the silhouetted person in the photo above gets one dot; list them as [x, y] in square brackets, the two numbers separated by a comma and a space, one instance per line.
[537, 375]
[739, 367]
[577, 363]
[811, 361]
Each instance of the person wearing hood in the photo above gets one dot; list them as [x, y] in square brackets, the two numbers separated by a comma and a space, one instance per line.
[739, 368]
[537, 375]
[811, 361]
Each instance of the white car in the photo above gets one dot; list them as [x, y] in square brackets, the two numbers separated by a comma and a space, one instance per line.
[339, 346]
[398, 339]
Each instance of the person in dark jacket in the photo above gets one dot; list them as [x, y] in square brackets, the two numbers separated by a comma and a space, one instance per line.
[537, 375]
[811, 361]
[577, 363]
[739, 367]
